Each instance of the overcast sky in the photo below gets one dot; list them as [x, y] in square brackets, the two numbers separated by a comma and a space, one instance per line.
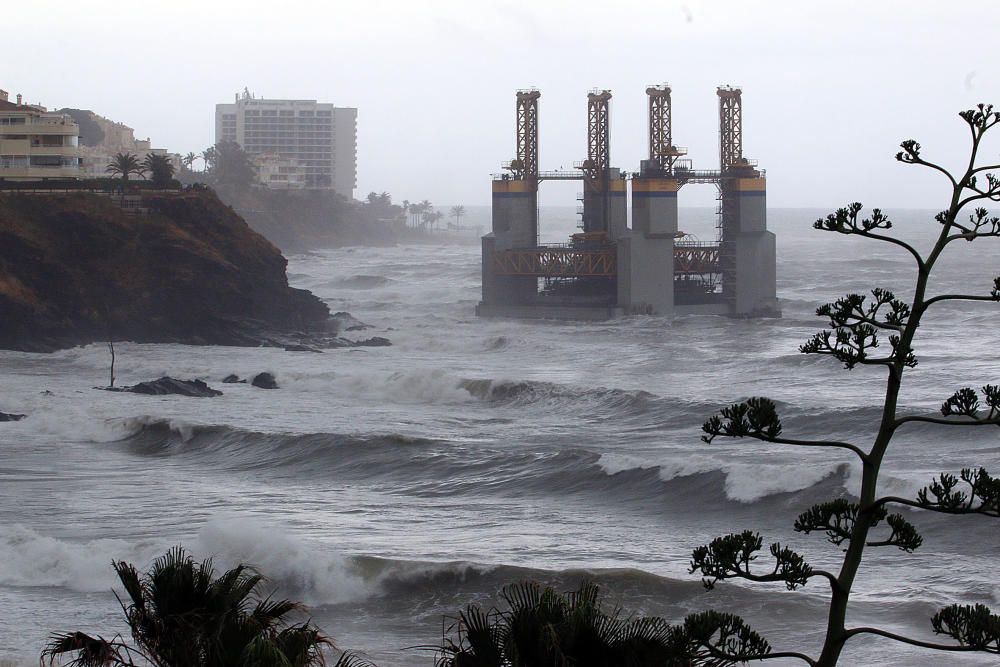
[829, 88]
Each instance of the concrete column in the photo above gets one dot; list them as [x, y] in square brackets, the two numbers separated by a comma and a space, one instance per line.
[617, 206]
[503, 290]
[753, 248]
[515, 212]
[646, 271]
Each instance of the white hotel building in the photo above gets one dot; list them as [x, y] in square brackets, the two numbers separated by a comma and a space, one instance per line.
[315, 142]
[36, 144]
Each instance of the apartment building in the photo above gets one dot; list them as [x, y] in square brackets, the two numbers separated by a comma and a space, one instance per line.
[36, 144]
[318, 138]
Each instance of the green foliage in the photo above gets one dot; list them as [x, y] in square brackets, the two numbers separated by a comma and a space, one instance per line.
[720, 634]
[755, 417]
[942, 495]
[965, 402]
[181, 615]
[540, 627]
[836, 517]
[856, 324]
[731, 556]
[123, 165]
[159, 168]
[974, 626]
[227, 164]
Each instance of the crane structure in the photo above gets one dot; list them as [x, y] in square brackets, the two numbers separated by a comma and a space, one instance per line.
[610, 269]
[662, 151]
[525, 165]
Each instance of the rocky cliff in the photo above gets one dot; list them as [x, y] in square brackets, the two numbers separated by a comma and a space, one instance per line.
[78, 268]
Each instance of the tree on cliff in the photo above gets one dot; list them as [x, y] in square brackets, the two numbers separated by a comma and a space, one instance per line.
[160, 169]
[857, 325]
[181, 615]
[123, 165]
[226, 163]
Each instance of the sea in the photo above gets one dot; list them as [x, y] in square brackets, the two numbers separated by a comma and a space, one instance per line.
[388, 488]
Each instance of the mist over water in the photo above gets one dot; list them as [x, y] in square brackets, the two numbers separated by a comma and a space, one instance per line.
[389, 487]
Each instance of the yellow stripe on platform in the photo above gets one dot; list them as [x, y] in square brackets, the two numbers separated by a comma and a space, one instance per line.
[751, 184]
[514, 186]
[655, 185]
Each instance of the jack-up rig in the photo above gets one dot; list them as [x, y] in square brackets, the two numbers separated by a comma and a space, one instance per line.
[608, 269]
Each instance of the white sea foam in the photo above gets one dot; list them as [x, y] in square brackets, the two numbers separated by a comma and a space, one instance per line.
[305, 571]
[28, 558]
[298, 569]
[82, 426]
[745, 482]
[419, 386]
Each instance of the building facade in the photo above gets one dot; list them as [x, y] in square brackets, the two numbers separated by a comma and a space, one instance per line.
[36, 144]
[279, 173]
[318, 138]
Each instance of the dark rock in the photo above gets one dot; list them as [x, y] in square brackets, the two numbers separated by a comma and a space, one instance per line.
[264, 381]
[342, 321]
[233, 379]
[7, 417]
[190, 271]
[168, 385]
[301, 348]
[374, 341]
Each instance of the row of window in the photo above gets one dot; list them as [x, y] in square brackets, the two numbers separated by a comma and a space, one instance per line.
[304, 135]
[284, 125]
[322, 113]
[22, 161]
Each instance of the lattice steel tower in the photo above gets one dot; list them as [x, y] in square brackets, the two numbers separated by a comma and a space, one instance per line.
[525, 165]
[662, 152]
[730, 127]
[598, 141]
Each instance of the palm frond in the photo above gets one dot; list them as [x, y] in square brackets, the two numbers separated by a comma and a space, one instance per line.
[90, 651]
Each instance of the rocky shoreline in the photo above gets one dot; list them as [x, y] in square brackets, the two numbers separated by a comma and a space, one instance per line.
[173, 267]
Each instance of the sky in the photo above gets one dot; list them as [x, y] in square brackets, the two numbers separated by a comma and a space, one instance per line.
[829, 88]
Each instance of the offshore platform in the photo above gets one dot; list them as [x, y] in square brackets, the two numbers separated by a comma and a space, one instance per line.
[610, 269]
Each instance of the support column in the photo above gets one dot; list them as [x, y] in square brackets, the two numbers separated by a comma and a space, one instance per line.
[649, 285]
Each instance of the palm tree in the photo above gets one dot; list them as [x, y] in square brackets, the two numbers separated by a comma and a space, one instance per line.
[457, 212]
[417, 209]
[181, 615]
[188, 161]
[430, 216]
[160, 168]
[124, 164]
[207, 158]
[544, 628]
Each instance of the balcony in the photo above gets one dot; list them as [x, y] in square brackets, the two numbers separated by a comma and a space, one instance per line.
[39, 173]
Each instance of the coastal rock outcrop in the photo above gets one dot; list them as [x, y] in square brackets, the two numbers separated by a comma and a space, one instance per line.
[264, 381]
[343, 321]
[374, 341]
[168, 385]
[78, 268]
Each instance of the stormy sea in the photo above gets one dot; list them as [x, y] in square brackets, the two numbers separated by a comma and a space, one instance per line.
[389, 487]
